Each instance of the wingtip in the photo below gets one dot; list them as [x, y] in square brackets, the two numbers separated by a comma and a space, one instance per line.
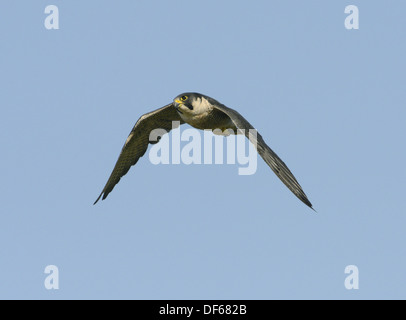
[308, 203]
[102, 196]
[98, 198]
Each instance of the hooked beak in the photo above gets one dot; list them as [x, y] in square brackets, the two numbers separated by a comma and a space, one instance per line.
[176, 104]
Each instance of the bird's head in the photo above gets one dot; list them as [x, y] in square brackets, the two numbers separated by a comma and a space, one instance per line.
[184, 102]
[190, 103]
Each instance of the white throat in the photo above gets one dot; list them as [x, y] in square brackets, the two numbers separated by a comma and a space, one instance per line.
[201, 108]
[201, 105]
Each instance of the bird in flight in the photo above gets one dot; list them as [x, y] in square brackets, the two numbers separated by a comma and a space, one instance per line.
[201, 112]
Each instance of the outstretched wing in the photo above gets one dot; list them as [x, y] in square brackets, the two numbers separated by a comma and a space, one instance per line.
[137, 143]
[270, 157]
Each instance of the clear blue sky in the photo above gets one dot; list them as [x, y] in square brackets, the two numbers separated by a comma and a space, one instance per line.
[329, 101]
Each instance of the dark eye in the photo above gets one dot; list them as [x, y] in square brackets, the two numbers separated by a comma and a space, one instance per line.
[184, 98]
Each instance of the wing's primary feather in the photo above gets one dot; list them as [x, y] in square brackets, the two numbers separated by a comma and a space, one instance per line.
[269, 156]
[137, 143]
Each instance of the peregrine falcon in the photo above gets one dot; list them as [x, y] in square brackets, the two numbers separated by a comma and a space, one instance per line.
[201, 112]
